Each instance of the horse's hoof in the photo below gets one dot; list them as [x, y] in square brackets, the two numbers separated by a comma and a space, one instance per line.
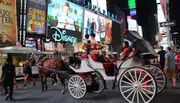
[42, 89]
[46, 88]
[62, 92]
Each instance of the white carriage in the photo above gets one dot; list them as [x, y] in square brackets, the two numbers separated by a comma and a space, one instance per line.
[137, 83]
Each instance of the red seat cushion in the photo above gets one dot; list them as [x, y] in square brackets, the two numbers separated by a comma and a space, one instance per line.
[94, 57]
[84, 55]
[108, 66]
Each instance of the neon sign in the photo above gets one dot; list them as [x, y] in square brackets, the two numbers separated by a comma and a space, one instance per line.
[61, 36]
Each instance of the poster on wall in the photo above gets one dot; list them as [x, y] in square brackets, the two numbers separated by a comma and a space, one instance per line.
[36, 17]
[8, 23]
[65, 15]
[108, 28]
[91, 25]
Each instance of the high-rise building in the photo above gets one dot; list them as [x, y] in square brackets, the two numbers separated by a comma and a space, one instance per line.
[146, 10]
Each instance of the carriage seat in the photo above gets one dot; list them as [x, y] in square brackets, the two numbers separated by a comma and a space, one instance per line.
[107, 66]
[93, 61]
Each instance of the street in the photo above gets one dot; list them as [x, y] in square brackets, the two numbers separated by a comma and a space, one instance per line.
[53, 95]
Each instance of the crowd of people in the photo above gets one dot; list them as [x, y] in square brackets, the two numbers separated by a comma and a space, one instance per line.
[169, 62]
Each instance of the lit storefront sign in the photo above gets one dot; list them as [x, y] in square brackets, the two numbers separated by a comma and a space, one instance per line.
[132, 4]
[60, 35]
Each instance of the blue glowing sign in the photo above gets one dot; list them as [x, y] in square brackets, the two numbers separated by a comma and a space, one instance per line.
[133, 12]
[61, 36]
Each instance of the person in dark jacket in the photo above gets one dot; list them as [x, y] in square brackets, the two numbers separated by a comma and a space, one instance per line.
[8, 78]
[162, 57]
[28, 73]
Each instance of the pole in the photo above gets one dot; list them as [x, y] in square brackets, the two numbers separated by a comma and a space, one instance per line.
[99, 28]
[168, 20]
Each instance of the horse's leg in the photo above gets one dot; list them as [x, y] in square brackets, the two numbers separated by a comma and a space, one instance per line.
[62, 79]
[42, 81]
[45, 81]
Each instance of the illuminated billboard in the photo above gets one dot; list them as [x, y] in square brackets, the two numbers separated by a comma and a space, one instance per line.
[108, 28]
[132, 4]
[36, 17]
[91, 25]
[101, 3]
[8, 29]
[65, 15]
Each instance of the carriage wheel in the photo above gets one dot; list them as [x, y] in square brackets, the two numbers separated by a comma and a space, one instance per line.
[158, 75]
[100, 80]
[137, 85]
[178, 75]
[77, 87]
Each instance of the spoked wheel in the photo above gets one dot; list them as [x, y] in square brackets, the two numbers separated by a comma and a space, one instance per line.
[137, 85]
[99, 79]
[77, 87]
[158, 75]
[178, 75]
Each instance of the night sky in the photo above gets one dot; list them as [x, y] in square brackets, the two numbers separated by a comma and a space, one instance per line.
[145, 16]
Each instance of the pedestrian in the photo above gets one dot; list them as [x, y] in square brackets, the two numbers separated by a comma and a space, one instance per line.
[8, 78]
[27, 74]
[169, 68]
[162, 57]
[54, 78]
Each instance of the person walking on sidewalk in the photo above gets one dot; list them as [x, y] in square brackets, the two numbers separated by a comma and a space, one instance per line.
[28, 74]
[8, 78]
[162, 57]
[169, 68]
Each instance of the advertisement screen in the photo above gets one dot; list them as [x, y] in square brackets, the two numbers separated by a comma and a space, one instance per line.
[30, 44]
[8, 30]
[65, 15]
[36, 17]
[101, 3]
[49, 46]
[91, 25]
[132, 25]
[52, 46]
[108, 28]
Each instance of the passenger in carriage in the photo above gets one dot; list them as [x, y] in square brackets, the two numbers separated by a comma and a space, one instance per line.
[126, 51]
[85, 42]
[96, 49]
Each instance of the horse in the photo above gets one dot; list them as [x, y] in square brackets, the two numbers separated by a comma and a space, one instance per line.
[54, 64]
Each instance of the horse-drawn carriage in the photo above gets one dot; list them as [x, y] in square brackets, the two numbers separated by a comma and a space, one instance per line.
[137, 82]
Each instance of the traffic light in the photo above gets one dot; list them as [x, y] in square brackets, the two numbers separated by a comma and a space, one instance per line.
[32, 27]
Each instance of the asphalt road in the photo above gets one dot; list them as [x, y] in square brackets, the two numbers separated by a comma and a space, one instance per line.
[53, 95]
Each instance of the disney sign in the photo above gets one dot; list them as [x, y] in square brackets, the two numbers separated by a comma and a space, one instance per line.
[61, 36]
